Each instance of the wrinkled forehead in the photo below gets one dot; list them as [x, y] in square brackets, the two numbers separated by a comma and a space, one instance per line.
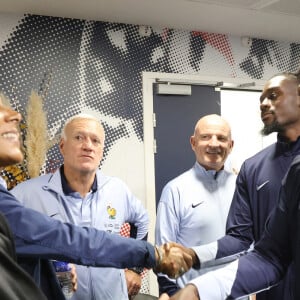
[86, 125]
[280, 79]
[275, 81]
[279, 82]
[213, 126]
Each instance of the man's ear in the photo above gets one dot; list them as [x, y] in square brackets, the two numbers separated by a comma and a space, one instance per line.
[192, 141]
[61, 145]
[298, 95]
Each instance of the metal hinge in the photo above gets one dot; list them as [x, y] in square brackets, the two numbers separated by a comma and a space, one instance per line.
[154, 146]
[154, 119]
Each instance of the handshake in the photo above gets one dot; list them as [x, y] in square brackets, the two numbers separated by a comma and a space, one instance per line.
[174, 259]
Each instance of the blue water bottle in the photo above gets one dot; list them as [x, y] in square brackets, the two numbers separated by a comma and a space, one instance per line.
[63, 273]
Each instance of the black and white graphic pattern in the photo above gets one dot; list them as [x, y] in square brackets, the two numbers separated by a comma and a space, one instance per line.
[97, 67]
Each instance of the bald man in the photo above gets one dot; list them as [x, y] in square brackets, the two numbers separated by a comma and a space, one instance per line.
[193, 207]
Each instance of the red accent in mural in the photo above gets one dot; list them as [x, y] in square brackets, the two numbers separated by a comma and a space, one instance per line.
[219, 42]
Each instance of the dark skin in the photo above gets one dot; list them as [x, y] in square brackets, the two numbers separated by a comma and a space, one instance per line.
[279, 102]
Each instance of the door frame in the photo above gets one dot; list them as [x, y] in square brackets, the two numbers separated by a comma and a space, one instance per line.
[148, 79]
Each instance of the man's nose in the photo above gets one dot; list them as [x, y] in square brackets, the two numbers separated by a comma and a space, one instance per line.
[13, 116]
[87, 143]
[265, 103]
[214, 142]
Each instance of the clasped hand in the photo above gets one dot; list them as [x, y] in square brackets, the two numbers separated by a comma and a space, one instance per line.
[174, 259]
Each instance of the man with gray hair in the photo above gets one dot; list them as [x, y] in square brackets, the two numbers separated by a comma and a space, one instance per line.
[79, 193]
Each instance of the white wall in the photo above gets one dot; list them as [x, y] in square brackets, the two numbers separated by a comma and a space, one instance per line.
[241, 109]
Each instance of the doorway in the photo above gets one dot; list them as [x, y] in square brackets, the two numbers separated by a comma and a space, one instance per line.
[177, 114]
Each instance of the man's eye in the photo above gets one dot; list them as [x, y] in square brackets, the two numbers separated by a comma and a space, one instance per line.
[204, 137]
[97, 142]
[273, 96]
[78, 137]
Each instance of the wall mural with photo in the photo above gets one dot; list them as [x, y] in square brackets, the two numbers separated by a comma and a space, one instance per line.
[74, 66]
[96, 67]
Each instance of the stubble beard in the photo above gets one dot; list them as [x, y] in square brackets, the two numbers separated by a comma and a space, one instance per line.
[270, 128]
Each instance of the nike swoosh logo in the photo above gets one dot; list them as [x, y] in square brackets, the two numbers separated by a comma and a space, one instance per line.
[258, 187]
[54, 215]
[197, 204]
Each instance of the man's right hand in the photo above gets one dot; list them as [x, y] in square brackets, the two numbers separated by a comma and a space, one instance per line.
[174, 259]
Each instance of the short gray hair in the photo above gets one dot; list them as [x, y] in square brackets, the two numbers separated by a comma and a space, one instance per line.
[75, 117]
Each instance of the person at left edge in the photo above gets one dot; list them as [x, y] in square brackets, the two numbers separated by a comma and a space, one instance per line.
[39, 238]
[15, 283]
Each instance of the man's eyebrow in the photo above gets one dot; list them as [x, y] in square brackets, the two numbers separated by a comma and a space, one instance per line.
[84, 133]
[267, 92]
[263, 96]
[77, 132]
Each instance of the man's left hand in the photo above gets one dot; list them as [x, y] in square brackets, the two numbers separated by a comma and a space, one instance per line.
[134, 282]
[74, 277]
[189, 292]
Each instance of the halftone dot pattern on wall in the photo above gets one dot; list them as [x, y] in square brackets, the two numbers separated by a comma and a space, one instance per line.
[98, 66]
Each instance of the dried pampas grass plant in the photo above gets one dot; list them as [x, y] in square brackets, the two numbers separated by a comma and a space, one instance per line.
[36, 141]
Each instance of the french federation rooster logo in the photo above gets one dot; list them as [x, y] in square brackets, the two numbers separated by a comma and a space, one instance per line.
[111, 212]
